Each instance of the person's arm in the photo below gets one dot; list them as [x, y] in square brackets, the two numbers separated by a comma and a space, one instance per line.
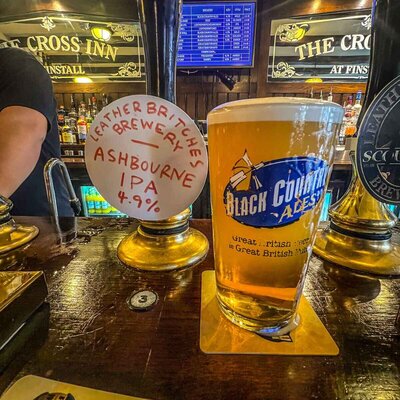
[22, 132]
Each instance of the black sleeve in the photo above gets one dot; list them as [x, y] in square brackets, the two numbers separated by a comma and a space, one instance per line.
[25, 82]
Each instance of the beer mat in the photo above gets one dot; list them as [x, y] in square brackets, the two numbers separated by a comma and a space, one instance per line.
[220, 336]
[36, 388]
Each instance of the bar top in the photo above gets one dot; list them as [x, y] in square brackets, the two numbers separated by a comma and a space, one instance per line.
[95, 340]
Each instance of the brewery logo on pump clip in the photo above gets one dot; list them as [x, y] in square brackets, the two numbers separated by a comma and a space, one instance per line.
[274, 193]
[378, 147]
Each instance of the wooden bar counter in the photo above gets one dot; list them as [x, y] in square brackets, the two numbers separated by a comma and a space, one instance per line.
[95, 340]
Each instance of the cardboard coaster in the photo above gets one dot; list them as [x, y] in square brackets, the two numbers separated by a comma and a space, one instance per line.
[31, 387]
[220, 336]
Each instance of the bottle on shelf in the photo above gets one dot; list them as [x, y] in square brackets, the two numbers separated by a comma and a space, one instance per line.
[94, 106]
[349, 121]
[357, 106]
[89, 118]
[67, 133]
[72, 115]
[82, 129]
[75, 137]
[104, 100]
[330, 95]
[72, 111]
[348, 109]
[82, 109]
[60, 133]
[61, 115]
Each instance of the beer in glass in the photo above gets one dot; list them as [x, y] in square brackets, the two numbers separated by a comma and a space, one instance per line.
[270, 160]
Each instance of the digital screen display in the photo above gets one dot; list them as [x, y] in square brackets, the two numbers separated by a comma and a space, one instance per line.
[219, 34]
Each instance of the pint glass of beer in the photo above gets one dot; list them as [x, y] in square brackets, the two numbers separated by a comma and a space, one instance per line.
[270, 161]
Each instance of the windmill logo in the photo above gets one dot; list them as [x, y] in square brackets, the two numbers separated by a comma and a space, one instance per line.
[274, 193]
[243, 176]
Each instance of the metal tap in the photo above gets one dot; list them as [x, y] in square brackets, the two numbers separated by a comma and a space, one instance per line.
[50, 190]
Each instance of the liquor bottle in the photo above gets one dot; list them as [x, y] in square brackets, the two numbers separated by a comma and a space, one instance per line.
[357, 106]
[330, 96]
[89, 118]
[89, 121]
[348, 110]
[89, 107]
[94, 107]
[75, 137]
[349, 123]
[72, 111]
[67, 134]
[72, 122]
[60, 133]
[104, 100]
[82, 109]
[61, 116]
[82, 129]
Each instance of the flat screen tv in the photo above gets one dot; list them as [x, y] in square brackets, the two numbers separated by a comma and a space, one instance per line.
[217, 35]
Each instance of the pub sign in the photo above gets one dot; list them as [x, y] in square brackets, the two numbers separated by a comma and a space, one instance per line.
[332, 47]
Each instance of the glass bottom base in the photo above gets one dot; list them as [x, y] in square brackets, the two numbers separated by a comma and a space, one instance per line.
[256, 326]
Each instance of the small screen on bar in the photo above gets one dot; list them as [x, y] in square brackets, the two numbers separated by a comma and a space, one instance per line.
[217, 34]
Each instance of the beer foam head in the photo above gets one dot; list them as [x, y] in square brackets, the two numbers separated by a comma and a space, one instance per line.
[277, 109]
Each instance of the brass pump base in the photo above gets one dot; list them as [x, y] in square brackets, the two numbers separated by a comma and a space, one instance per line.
[164, 245]
[378, 257]
[359, 235]
[13, 235]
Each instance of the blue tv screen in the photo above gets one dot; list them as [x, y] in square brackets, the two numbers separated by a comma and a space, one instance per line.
[216, 34]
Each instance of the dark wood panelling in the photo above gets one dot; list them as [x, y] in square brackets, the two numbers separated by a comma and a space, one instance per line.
[340, 91]
[80, 91]
[100, 87]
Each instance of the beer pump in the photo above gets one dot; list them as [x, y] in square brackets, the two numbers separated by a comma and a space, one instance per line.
[13, 235]
[359, 236]
[168, 244]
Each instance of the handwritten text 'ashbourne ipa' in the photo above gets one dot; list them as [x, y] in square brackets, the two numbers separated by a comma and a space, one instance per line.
[270, 161]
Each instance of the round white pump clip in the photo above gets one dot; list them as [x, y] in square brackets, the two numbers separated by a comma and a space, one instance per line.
[146, 157]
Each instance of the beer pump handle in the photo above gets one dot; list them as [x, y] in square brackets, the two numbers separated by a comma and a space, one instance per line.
[160, 25]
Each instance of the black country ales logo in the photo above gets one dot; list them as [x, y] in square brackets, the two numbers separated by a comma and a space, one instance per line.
[378, 148]
[274, 193]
